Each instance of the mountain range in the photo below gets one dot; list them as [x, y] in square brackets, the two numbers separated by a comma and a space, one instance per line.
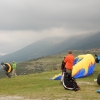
[49, 46]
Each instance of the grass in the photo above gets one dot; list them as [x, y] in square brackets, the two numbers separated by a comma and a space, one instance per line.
[39, 86]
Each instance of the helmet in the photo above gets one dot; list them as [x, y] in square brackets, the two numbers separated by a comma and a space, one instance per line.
[2, 63]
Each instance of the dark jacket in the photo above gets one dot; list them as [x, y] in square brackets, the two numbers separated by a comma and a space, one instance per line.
[63, 66]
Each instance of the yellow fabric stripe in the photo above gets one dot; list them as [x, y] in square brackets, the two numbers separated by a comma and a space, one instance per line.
[9, 67]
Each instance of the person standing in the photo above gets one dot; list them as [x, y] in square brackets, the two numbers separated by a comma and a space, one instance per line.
[8, 68]
[69, 62]
[14, 68]
[63, 69]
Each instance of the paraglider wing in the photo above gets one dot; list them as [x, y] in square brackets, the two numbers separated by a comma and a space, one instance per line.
[85, 67]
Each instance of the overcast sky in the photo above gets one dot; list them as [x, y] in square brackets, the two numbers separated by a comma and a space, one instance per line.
[23, 22]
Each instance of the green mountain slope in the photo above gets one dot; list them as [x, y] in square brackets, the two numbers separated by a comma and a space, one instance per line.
[42, 64]
[40, 87]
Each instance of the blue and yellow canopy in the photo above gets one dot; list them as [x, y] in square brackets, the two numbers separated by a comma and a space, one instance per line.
[83, 66]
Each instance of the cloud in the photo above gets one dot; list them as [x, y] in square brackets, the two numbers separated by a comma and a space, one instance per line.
[25, 21]
[15, 40]
[40, 15]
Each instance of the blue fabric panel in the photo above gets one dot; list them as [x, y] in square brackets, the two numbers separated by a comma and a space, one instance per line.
[80, 73]
[58, 78]
[91, 70]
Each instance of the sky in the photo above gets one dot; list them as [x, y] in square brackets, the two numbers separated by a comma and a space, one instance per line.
[23, 22]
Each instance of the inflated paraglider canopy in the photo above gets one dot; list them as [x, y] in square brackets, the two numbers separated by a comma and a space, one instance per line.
[83, 66]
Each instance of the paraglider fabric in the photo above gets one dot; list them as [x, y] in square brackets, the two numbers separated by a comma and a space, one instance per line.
[10, 67]
[83, 66]
[98, 90]
[99, 59]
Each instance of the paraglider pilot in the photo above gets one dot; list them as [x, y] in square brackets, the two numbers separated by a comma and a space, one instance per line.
[63, 69]
[8, 68]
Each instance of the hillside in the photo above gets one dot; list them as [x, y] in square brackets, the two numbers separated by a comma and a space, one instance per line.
[33, 80]
[48, 63]
[54, 45]
[40, 87]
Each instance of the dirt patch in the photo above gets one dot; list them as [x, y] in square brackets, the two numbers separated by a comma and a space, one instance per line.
[90, 83]
[13, 98]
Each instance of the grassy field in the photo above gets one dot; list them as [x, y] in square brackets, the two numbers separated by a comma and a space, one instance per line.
[37, 85]
[40, 87]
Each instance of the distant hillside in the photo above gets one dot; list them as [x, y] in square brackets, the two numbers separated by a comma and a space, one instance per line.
[48, 63]
[54, 45]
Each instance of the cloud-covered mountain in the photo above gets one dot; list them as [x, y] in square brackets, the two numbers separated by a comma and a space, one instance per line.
[54, 45]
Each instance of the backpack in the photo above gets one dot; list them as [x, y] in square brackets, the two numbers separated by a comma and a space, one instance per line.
[69, 83]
